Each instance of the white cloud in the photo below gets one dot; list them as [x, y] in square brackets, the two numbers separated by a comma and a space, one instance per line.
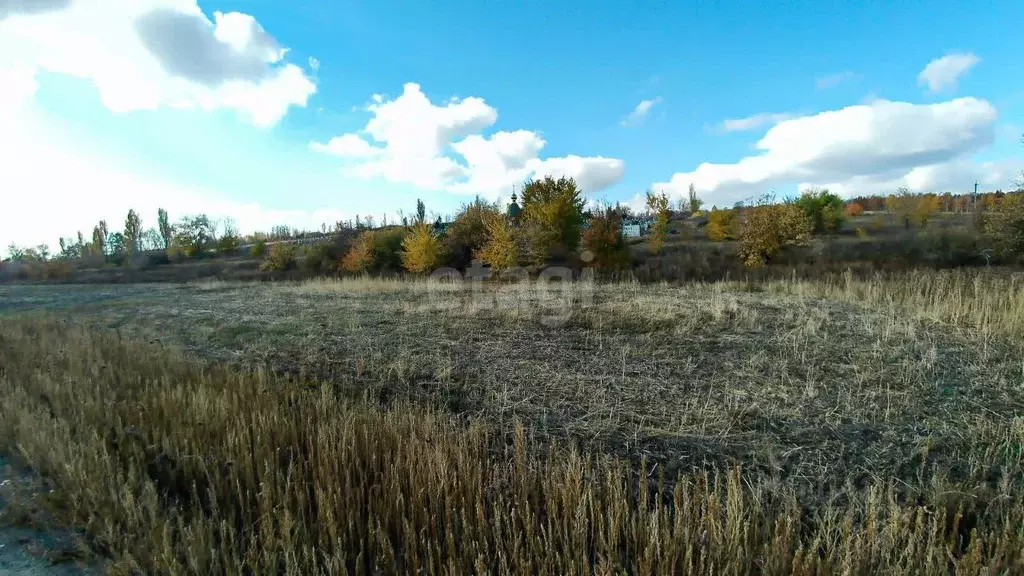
[640, 112]
[944, 72]
[146, 54]
[860, 149]
[833, 80]
[412, 140]
[755, 121]
[56, 185]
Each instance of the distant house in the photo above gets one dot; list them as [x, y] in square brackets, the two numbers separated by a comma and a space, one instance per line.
[636, 227]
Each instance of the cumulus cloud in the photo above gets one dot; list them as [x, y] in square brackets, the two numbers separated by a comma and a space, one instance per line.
[859, 149]
[755, 121]
[42, 203]
[945, 72]
[639, 113]
[414, 141]
[146, 54]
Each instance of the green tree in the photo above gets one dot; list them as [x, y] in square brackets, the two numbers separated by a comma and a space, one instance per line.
[164, 225]
[657, 206]
[421, 211]
[694, 202]
[229, 240]
[132, 232]
[824, 208]
[117, 245]
[193, 236]
[553, 216]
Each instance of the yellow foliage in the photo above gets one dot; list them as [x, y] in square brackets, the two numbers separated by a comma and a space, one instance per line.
[500, 251]
[769, 228]
[360, 256]
[421, 249]
[722, 224]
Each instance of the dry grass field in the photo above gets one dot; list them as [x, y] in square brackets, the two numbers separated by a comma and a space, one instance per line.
[368, 426]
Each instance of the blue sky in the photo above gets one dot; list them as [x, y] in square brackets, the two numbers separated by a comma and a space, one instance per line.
[168, 103]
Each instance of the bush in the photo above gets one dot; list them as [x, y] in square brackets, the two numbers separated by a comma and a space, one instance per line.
[722, 224]
[280, 257]
[259, 249]
[322, 257]
[228, 244]
[375, 251]
[853, 209]
[421, 249]
[824, 209]
[768, 228]
[1004, 227]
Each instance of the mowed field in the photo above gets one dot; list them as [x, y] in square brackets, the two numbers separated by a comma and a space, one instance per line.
[829, 426]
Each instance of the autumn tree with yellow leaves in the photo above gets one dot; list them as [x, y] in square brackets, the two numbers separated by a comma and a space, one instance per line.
[421, 249]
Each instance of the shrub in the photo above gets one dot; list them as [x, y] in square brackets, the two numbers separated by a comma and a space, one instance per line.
[768, 228]
[501, 251]
[375, 251]
[853, 209]
[604, 241]
[862, 233]
[228, 244]
[259, 249]
[281, 256]
[722, 224]
[421, 249]
[1004, 227]
[824, 209]
[322, 257]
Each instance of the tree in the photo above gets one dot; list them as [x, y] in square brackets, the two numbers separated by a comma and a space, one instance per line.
[280, 257]
[359, 257]
[229, 241]
[132, 232]
[421, 248]
[193, 236]
[1004, 226]
[421, 211]
[500, 251]
[468, 233]
[853, 209]
[657, 205]
[553, 216]
[694, 201]
[151, 240]
[164, 225]
[603, 239]
[722, 224]
[768, 228]
[99, 239]
[824, 208]
[117, 244]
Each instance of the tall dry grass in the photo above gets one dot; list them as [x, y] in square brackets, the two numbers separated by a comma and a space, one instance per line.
[987, 302]
[178, 468]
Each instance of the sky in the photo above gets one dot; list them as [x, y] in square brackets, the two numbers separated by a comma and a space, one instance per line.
[306, 113]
